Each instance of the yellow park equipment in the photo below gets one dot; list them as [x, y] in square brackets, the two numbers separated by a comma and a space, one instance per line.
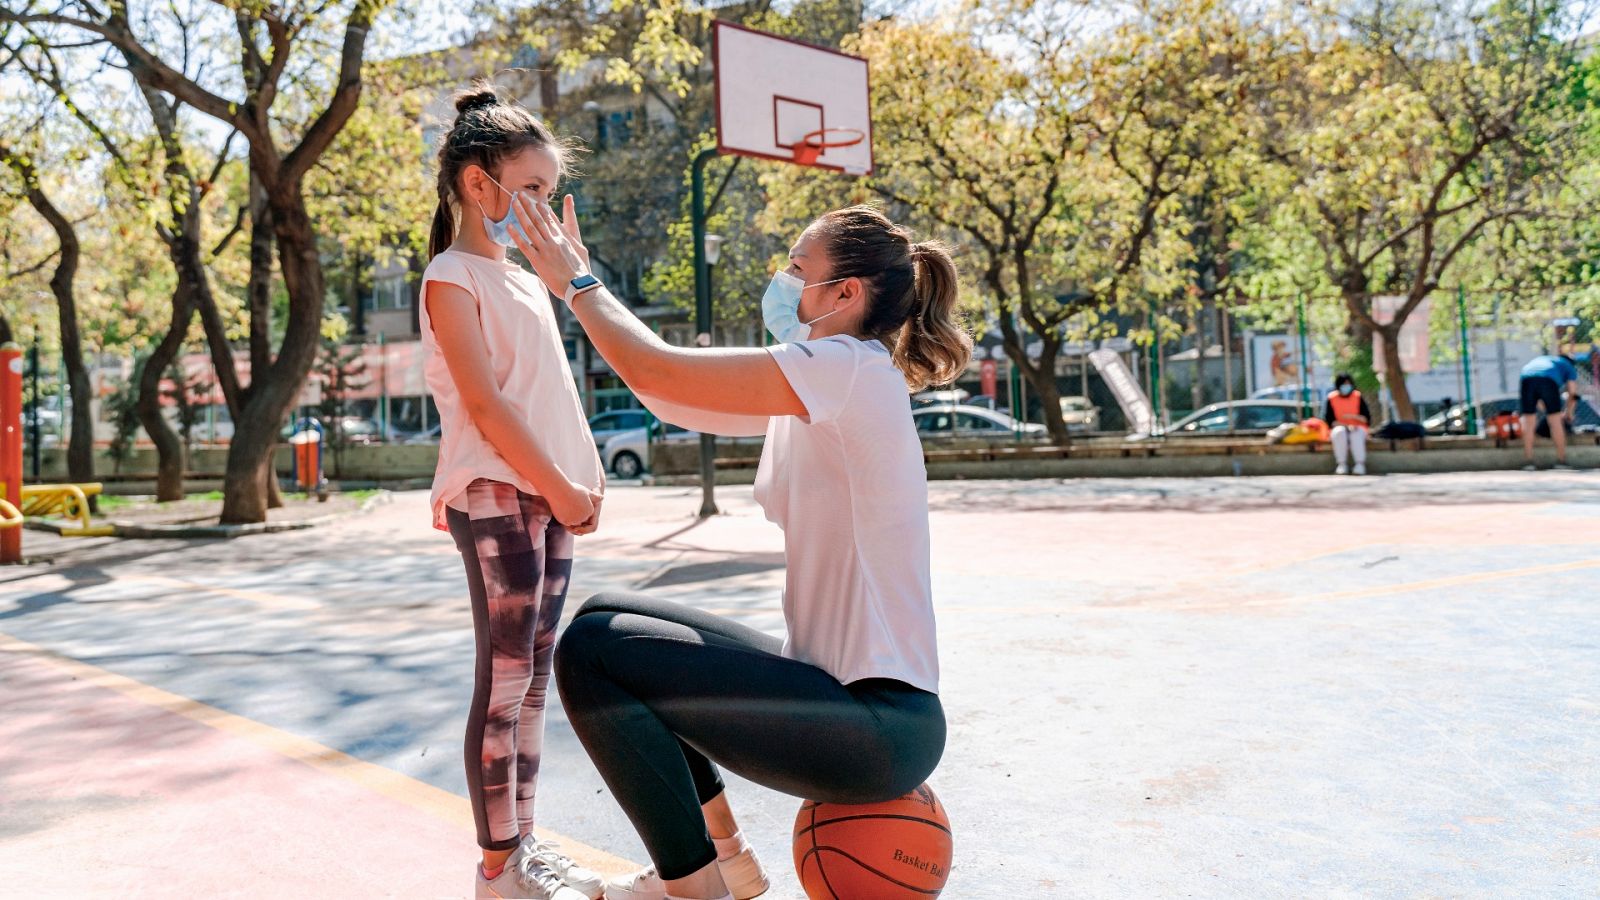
[66, 501]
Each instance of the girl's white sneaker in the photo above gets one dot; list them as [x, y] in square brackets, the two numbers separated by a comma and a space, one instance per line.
[584, 881]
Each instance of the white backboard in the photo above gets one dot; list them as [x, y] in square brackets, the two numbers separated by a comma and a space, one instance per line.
[773, 91]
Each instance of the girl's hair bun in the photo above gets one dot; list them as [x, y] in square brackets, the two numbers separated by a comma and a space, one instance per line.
[476, 98]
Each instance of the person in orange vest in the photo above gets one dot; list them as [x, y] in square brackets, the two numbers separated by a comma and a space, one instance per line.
[1346, 411]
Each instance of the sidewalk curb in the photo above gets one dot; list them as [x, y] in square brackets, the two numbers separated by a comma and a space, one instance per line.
[130, 530]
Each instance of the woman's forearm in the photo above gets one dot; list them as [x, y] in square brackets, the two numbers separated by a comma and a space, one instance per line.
[634, 352]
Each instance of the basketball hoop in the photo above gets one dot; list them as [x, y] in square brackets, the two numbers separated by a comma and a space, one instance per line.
[818, 142]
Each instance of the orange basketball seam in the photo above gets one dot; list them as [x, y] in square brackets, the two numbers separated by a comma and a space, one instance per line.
[816, 824]
[884, 875]
[815, 852]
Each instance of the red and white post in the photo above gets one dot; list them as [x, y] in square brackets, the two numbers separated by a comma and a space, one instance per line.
[11, 445]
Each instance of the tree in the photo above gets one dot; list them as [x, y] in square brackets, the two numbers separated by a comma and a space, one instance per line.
[132, 160]
[1061, 168]
[1411, 128]
[284, 146]
[80, 444]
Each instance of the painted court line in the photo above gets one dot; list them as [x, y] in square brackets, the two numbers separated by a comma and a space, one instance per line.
[378, 779]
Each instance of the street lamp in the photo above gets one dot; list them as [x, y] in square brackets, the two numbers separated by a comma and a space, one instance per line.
[593, 107]
[711, 250]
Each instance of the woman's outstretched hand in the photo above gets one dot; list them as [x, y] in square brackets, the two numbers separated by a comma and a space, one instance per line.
[554, 246]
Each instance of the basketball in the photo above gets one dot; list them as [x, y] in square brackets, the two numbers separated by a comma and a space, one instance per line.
[877, 851]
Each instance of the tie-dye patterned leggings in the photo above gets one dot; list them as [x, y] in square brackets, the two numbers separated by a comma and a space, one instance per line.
[518, 561]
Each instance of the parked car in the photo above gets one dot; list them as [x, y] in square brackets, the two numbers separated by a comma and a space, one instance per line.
[357, 430]
[1292, 392]
[1455, 419]
[936, 398]
[1238, 417]
[607, 425]
[1585, 420]
[958, 421]
[625, 452]
[431, 436]
[1080, 414]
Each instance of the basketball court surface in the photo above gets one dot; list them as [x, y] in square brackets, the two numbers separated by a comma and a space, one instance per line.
[1204, 688]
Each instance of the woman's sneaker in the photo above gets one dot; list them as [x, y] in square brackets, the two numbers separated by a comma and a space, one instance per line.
[524, 878]
[741, 872]
[574, 876]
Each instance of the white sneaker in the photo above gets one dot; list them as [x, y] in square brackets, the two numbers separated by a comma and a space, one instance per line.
[524, 878]
[1361, 469]
[1342, 470]
[743, 875]
[644, 884]
[574, 876]
[741, 872]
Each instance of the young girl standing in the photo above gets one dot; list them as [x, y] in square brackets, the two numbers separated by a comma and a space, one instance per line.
[518, 475]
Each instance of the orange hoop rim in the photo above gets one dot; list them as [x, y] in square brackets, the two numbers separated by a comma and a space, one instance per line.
[815, 143]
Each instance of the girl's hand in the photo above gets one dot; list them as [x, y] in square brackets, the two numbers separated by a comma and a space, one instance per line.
[573, 506]
[591, 525]
[554, 246]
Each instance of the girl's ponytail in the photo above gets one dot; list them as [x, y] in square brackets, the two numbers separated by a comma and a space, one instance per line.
[443, 232]
[932, 347]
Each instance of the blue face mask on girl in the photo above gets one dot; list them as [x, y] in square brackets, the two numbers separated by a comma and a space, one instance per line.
[500, 231]
[780, 308]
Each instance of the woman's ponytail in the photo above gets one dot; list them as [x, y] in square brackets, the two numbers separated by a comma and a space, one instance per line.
[913, 288]
[932, 347]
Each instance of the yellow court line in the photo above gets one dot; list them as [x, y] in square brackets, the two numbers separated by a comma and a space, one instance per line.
[378, 779]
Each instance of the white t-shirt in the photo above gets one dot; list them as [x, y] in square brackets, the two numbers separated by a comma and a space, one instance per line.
[847, 485]
[530, 368]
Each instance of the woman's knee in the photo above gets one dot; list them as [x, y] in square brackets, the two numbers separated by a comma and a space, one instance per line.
[581, 643]
[612, 602]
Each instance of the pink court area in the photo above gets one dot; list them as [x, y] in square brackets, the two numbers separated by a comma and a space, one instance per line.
[112, 789]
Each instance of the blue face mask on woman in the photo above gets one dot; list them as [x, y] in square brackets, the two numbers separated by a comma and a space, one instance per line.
[500, 231]
[1345, 390]
[780, 308]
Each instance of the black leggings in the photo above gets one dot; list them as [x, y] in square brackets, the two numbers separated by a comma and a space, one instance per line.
[657, 692]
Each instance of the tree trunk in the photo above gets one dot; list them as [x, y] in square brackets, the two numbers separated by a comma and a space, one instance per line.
[171, 455]
[273, 388]
[1041, 377]
[258, 291]
[80, 444]
[1393, 376]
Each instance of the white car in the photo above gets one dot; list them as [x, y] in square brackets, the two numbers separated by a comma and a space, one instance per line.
[959, 421]
[607, 425]
[1080, 414]
[624, 453]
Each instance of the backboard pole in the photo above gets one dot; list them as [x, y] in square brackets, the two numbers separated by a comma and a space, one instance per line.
[702, 318]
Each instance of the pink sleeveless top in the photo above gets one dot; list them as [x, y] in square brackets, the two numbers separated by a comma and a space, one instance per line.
[530, 368]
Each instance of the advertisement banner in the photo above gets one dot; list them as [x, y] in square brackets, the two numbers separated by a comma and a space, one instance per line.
[1135, 405]
[1275, 364]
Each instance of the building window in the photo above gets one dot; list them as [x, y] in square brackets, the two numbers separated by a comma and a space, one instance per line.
[390, 292]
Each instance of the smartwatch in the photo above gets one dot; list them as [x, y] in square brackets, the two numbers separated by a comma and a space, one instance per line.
[584, 282]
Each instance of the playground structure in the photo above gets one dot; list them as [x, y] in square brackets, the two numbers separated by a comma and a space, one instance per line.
[19, 503]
